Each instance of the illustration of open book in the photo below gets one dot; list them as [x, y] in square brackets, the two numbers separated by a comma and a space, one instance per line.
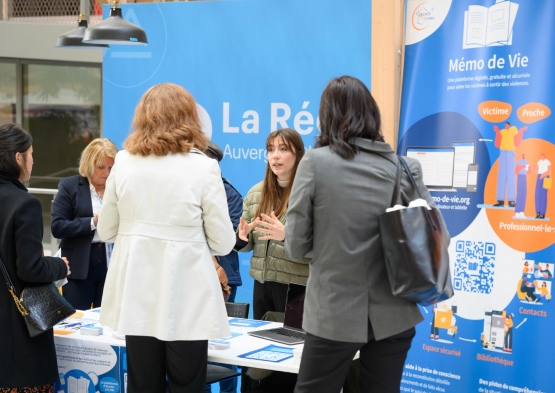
[491, 26]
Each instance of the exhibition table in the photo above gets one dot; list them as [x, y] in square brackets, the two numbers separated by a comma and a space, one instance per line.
[89, 363]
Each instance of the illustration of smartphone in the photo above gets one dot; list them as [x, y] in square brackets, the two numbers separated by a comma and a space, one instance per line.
[472, 180]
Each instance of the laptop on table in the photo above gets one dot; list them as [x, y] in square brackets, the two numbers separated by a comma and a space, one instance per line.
[292, 331]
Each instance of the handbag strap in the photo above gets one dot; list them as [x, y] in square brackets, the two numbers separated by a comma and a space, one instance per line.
[405, 165]
[11, 289]
[397, 185]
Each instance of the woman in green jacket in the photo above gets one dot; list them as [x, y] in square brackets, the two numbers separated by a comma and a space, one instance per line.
[264, 217]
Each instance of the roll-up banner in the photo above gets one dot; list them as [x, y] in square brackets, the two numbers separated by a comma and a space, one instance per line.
[478, 91]
[252, 66]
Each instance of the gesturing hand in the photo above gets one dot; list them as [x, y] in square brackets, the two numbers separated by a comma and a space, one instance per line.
[95, 219]
[245, 229]
[273, 227]
[67, 264]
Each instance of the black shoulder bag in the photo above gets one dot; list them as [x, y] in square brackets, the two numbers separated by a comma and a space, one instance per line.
[42, 306]
[416, 258]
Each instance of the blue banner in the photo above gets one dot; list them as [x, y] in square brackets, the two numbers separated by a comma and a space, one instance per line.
[476, 112]
[252, 66]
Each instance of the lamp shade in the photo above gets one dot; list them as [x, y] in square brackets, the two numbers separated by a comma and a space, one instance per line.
[115, 31]
[74, 39]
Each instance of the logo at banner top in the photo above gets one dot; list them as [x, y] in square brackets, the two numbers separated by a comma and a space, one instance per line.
[489, 26]
[205, 121]
[424, 18]
[130, 66]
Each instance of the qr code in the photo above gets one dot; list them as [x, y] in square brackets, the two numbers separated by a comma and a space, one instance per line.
[474, 266]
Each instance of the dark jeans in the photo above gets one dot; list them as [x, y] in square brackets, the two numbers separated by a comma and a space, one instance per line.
[149, 360]
[325, 364]
[229, 385]
[270, 296]
[82, 294]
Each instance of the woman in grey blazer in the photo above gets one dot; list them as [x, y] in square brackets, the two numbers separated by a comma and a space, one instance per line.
[340, 189]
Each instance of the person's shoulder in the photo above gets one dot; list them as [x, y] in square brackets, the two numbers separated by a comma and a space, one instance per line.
[123, 155]
[253, 196]
[27, 202]
[318, 152]
[229, 187]
[413, 163]
[70, 182]
[256, 188]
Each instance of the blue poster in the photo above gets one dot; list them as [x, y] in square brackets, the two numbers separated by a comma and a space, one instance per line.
[252, 66]
[476, 112]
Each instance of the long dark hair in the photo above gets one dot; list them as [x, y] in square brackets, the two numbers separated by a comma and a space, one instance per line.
[348, 110]
[13, 139]
[275, 198]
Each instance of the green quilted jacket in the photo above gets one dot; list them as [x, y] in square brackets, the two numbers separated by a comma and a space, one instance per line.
[269, 260]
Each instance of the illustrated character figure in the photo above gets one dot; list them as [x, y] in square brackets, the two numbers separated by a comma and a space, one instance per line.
[546, 273]
[526, 269]
[528, 288]
[522, 168]
[507, 140]
[543, 169]
[544, 292]
[435, 331]
[508, 344]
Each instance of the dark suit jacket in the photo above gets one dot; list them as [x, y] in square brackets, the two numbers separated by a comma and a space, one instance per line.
[24, 361]
[230, 262]
[71, 221]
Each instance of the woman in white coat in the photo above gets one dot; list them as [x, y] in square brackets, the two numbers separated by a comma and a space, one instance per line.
[165, 208]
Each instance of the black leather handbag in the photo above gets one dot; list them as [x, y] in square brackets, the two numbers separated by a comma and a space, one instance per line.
[42, 306]
[416, 257]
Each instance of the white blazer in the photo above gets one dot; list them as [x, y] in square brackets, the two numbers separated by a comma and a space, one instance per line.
[167, 216]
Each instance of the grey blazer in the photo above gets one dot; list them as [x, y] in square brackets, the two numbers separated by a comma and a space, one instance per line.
[333, 212]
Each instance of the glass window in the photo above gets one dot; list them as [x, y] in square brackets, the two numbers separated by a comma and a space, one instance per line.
[7, 93]
[61, 110]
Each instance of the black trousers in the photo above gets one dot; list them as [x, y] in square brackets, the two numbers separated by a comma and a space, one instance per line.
[270, 296]
[149, 360]
[325, 364]
[81, 294]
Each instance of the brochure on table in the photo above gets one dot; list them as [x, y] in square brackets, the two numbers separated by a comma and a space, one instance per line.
[271, 353]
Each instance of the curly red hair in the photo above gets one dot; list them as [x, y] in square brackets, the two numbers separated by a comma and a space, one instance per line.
[166, 120]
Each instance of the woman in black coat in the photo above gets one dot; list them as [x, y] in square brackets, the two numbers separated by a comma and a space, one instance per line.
[74, 219]
[25, 362]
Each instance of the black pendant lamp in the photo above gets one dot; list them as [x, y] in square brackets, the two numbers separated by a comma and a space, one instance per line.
[115, 31]
[74, 39]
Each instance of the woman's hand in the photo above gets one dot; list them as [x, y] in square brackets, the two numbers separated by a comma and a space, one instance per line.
[273, 227]
[245, 229]
[95, 219]
[67, 264]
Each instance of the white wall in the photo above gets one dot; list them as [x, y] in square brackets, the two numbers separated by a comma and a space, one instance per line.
[28, 40]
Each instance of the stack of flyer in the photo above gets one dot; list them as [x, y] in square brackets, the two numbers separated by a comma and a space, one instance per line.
[91, 330]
